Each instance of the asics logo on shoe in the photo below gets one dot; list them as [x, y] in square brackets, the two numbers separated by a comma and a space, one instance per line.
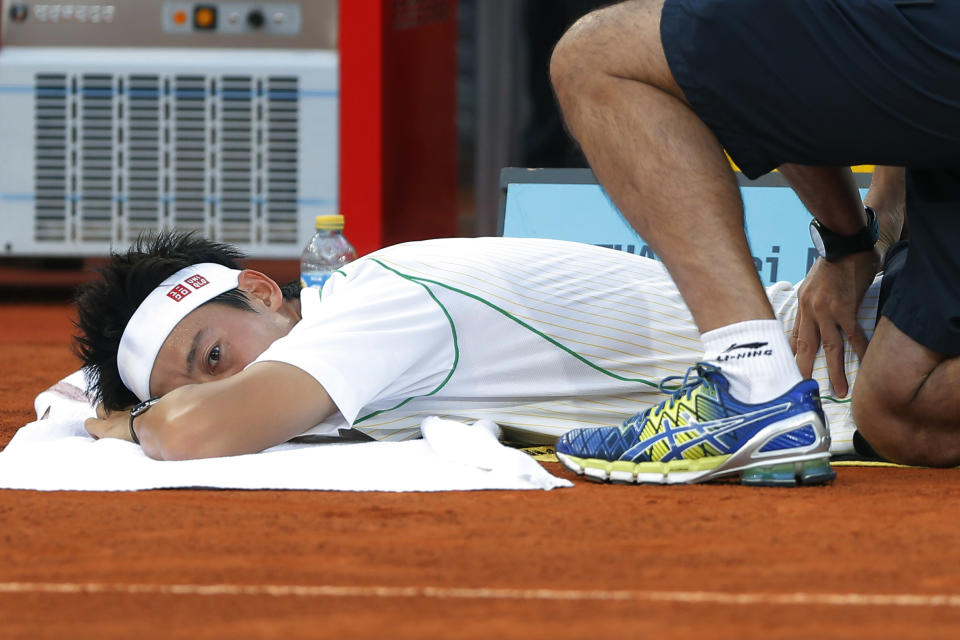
[754, 350]
[710, 432]
[725, 425]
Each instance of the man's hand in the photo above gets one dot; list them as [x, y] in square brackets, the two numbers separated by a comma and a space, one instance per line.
[109, 424]
[828, 301]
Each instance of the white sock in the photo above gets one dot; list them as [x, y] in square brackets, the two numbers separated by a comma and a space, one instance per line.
[755, 357]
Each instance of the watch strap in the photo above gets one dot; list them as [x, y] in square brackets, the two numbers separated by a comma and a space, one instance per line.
[133, 434]
[136, 411]
[837, 246]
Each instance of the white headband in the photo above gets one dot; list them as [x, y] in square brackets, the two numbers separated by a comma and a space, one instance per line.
[160, 312]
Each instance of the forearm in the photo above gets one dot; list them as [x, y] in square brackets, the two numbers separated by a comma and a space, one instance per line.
[178, 428]
[887, 196]
[830, 194]
[263, 406]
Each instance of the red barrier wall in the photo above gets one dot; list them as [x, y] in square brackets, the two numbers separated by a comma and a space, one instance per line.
[398, 168]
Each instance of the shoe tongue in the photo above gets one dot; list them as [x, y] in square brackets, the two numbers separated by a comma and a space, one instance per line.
[716, 378]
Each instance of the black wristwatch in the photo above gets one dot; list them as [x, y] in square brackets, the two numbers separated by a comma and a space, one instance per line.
[833, 246]
[137, 410]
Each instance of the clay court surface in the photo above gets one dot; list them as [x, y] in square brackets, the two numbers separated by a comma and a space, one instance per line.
[875, 555]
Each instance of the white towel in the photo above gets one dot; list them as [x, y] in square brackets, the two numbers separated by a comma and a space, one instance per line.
[56, 453]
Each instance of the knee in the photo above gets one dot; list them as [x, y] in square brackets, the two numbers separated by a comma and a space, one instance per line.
[620, 41]
[572, 63]
[908, 411]
[902, 436]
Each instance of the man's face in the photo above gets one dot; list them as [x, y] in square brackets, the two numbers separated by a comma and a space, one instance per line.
[215, 341]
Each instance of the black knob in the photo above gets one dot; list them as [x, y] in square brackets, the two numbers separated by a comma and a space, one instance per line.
[18, 12]
[255, 18]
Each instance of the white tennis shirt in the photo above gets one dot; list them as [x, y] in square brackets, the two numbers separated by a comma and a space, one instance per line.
[540, 336]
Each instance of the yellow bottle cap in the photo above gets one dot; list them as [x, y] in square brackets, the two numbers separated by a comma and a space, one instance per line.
[329, 223]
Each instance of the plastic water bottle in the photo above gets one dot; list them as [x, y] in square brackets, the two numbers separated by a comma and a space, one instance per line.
[326, 252]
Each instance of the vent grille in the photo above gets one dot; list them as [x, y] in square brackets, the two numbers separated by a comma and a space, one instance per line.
[144, 167]
[52, 151]
[122, 155]
[95, 131]
[239, 132]
[189, 153]
[282, 159]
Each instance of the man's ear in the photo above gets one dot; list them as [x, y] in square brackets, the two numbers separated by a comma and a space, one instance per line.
[260, 287]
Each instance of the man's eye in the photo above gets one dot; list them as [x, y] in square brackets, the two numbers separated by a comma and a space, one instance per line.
[213, 359]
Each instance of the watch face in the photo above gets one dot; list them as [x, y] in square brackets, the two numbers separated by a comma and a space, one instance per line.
[817, 240]
[143, 406]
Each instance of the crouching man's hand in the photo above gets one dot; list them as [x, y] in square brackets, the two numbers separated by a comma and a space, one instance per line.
[828, 301]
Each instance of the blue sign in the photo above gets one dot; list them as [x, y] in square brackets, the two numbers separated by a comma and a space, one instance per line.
[777, 223]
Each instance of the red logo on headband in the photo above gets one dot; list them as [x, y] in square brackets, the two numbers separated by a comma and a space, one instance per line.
[178, 293]
[197, 281]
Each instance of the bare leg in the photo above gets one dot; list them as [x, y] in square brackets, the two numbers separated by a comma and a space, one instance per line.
[659, 163]
[910, 416]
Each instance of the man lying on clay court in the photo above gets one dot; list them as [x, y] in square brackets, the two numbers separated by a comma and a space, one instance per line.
[540, 336]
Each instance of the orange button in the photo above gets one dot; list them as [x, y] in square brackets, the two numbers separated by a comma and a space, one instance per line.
[205, 17]
[180, 18]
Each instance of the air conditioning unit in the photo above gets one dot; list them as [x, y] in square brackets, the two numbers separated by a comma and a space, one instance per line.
[138, 116]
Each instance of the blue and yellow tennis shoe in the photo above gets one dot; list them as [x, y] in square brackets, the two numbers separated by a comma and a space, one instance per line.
[701, 433]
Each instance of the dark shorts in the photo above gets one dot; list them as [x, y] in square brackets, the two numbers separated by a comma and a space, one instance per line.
[822, 82]
[893, 264]
[924, 302]
[837, 83]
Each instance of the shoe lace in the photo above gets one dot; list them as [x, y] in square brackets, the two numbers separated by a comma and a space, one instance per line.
[696, 376]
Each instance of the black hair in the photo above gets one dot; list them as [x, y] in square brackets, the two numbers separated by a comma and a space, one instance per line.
[291, 290]
[105, 306]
